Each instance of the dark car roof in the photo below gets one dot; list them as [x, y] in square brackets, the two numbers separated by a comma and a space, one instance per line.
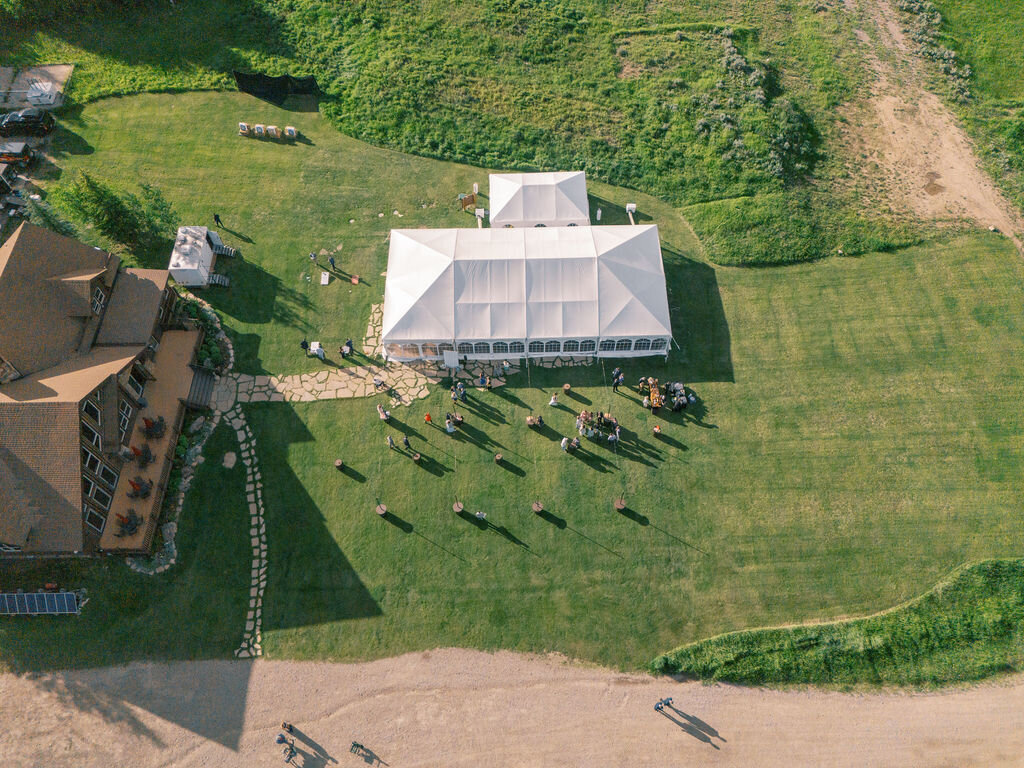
[31, 112]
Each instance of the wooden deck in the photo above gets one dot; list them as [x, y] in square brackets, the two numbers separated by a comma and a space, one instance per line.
[165, 396]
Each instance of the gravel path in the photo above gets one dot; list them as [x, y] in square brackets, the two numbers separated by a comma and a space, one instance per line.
[465, 708]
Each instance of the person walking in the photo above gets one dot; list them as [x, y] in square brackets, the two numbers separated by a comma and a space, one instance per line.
[217, 221]
[426, 419]
[391, 442]
[305, 346]
[405, 443]
[615, 373]
[565, 444]
[312, 257]
[334, 267]
[454, 395]
[615, 384]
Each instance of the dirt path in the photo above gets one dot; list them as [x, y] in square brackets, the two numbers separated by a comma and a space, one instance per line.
[465, 708]
[926, 162]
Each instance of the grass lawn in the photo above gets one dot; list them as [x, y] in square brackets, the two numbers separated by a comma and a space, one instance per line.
[858, 435]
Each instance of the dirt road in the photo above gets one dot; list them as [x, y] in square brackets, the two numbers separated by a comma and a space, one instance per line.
[926, 163]
[465, 708]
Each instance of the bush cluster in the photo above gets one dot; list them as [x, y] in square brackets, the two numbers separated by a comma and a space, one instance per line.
[924, 29]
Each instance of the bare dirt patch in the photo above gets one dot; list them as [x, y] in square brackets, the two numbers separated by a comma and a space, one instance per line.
[908, 148]
[465, 708]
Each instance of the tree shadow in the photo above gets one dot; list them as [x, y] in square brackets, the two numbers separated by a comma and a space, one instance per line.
[66, 142]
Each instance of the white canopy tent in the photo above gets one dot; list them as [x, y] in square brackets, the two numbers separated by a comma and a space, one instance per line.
[534, 199]
[497, 293]
[192, 258]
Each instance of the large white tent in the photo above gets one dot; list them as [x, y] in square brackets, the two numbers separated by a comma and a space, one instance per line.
[192, 259]
[497, 293]
[534, 199]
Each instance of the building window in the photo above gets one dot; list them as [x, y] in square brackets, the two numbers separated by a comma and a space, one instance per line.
[481, 348]
[500, 348]
[90, 461]
[536, 347]
[642, 344]
[430, 350]
[92, 436]
[108, 476]
[125, 412]
[90, 409]
[136, 383]
[94, 519]
[465, 348]
[571, 346]
[553, 346]
[623, 345]
[92, 490]
[587, 346]
[515, 347]
[659, 343]
[99, 298]
[607, 345]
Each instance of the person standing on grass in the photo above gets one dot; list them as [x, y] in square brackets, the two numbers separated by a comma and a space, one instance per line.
[615, 373]
[312, 257]
[330, 260]
[391, 442]
[217, 221]
[426, 419]
[565, 444]
[615, 384]
[553, 400]
[405, 442]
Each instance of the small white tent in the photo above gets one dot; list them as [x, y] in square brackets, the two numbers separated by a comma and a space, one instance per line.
[497, 293]
[192, 258]
[539, 199]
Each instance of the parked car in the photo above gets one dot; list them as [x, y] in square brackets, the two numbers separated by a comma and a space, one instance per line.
[17, 153]
[27, 122]
[7, 176]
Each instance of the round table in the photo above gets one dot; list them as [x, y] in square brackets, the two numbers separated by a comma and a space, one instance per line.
[620, 504]
[538, 507]
[497, 458]
[458, 506]
[339, 465]
[381, 510]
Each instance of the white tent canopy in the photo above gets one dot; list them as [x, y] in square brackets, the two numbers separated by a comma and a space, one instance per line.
[530, 199]
[496, 293]
[192, 258]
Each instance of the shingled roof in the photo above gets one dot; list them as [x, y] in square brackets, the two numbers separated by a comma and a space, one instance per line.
[45, 295]
[133, 307]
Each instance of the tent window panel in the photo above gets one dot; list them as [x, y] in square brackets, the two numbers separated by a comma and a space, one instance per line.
[553, 346]
[465, 348]
[536, 347]
[642, 344]
[482, 348]
[410, 350]
[659, 344]
[608, 345]
[445, 347]
[430, 350]
[516, 348]
[500, 348]
[623, 345]
[588, 345]
[571, 346]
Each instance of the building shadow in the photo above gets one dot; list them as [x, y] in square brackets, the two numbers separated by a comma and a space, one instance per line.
[699, 324]
[256, 296]
[297, 595]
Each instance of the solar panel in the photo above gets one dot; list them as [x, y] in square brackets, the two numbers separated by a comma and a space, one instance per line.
[38, 603]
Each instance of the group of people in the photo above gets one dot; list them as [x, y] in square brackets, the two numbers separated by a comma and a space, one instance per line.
[597, 425]
[458, 392]
[656, 395]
